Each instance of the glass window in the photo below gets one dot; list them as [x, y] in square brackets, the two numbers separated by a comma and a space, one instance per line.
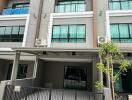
[22, 71]
[64, 32]
[116, 5]
[21, 30]
[114, 31]
[73, 7]
[130, 4]
[56, 32]
[75, 77]
[70, 6]
[130, 27]
[68, 33]
[81, 31]
[11, 33]
[72, 31]
[15, 30]
[123, 33]
[8, 30]
[2, 30]
[61, 8]
[123, 30]
[124, 5]
[80, 7]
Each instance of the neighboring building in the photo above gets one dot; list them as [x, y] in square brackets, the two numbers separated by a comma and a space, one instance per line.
[54, 45]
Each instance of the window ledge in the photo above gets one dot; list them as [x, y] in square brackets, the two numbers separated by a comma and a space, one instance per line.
[13, 17]
[72, 14]
[119, 12]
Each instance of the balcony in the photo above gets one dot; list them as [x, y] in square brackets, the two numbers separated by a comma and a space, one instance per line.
[10, 11]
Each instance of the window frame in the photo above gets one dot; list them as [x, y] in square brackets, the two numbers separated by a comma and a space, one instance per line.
[70, 2]
[120, 3]
[120, 39]
[59, 40]
[12, 37]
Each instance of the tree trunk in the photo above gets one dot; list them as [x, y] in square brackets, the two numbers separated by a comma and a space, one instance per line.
[112, 85]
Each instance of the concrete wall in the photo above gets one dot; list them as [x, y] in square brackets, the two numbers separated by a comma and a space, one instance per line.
[121, 19]
[102, 6]
[34, 21]
[89, 32]
[38, 81]
[3, 69]
[51, 74]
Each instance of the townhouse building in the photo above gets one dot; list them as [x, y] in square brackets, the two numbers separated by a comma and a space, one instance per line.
[49, 48]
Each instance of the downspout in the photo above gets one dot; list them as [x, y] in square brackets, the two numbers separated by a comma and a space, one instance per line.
[94, 24]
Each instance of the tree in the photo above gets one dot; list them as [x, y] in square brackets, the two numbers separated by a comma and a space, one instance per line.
[109, 53]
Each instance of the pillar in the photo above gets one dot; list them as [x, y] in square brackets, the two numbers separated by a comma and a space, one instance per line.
[15, 66]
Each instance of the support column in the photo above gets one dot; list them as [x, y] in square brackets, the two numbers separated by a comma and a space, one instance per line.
[97, 74]
[15, 66]
[35, 67]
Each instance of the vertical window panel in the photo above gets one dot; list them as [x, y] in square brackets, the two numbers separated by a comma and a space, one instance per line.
[116, 5]
[80, 8]
[56, 32]
[61, 8]
[81, 31]
[130, 27]
[124, 5]
[15, 30]
[130, 4]
[114, 31]
[21, 30]
[73, 7]
[2, 30]
[8, 30]
[72, 31]
[123, 31]
[68, 8]
[64, 32]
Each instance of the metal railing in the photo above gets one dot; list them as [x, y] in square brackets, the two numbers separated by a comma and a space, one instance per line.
[10, 11]
[30, 93]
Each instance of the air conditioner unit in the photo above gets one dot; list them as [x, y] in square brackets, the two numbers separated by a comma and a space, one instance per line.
[41, 42]
[102, 39]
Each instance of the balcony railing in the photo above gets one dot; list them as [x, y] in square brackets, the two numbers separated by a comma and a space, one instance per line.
[15, 11]
[30, 93]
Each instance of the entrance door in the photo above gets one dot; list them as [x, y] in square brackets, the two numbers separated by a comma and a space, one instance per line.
[75, 77]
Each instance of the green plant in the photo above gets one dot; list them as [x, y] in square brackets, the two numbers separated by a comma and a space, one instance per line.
[109, 53]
